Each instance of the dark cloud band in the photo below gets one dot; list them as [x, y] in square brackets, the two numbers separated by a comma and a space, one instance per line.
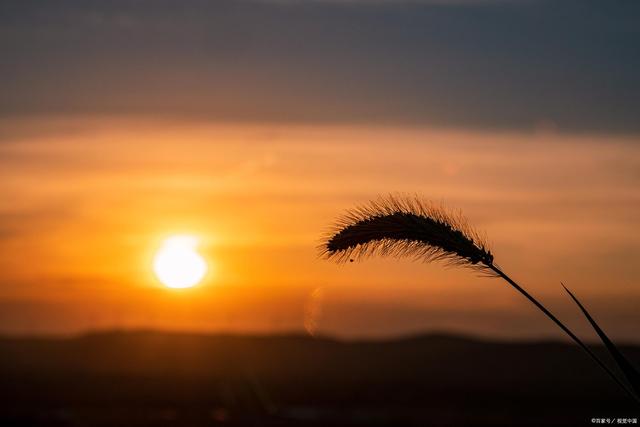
[521, 64]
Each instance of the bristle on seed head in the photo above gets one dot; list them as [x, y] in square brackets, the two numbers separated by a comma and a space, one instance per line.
[407, 226]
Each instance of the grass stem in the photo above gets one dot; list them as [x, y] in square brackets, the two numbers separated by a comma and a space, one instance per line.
[577, 340]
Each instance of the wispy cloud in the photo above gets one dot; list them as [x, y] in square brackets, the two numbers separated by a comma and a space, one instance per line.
[81, 210]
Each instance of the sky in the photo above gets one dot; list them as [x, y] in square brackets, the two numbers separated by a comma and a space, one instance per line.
[254, 124]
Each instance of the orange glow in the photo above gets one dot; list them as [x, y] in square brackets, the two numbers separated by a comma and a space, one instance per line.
[86, 199]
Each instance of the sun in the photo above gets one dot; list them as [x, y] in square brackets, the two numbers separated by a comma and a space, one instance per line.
[177, 264]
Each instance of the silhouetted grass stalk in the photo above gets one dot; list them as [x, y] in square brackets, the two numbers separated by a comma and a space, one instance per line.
[630, 373]
[409, 226]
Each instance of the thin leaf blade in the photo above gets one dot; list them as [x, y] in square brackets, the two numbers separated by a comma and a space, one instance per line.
[628, 370]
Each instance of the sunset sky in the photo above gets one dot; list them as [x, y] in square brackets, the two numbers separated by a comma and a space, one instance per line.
[253, 124]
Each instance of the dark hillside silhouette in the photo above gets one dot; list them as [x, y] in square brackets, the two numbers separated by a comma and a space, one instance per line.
[171, 379]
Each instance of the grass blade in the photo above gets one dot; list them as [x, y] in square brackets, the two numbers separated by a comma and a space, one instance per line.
[566, 330]
[629, 372]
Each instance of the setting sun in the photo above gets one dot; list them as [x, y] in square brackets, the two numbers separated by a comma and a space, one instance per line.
[177, 264]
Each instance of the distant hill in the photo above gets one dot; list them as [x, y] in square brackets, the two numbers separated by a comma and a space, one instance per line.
[172, 379]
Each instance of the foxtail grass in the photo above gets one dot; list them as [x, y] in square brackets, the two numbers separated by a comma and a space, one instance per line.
[401, 226]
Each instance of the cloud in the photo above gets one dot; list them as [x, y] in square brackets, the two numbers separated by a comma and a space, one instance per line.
[515, 64]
